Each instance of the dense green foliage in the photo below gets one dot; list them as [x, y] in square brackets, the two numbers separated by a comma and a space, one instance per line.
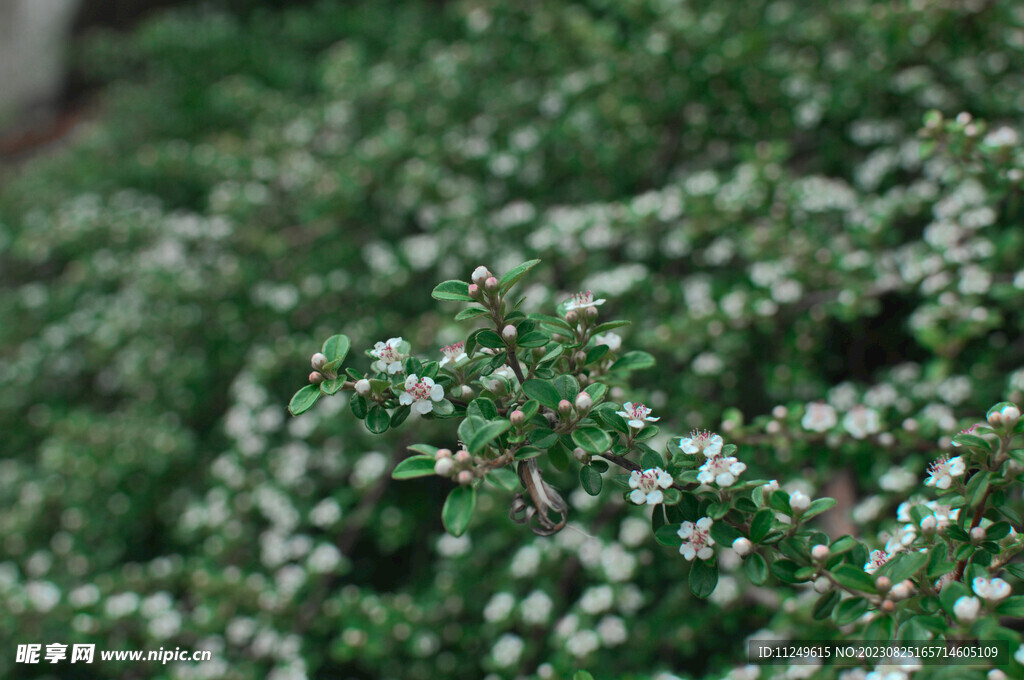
[745, 182]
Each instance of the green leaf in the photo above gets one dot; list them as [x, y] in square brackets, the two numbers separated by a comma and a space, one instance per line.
[722, 532]
[780, 501]
[785, 571]
[667, 534]
[458, 509]
[976, 488]
[336, 348]
[424, 449]
[529, 409]
[441, 409]
[359, 406]
[416, 466]
[761, 525]
[504, 478]
[592, 439]
[533, 339]
[513, 275]
[703, 578]
[853, 577]
[566, 386]
[526, 452]
[651, 459]
[452, 290]
[850, 610]
[490, 339]
[825, 604]
[596, 353]
[1012, 606]
[590, 480]
[756, 568]
[542, 391]
[304, 399]
[377, 419]
[582, 675]
[543, 438]
[471, 313]
[950, 593]
[903, 565]
[1015, 569]
[596, 391]
[482, 407]
[331, 387]
[973, 441]
[399, 415]
[633, 361]
[610, 325]
[486, 434]
[818, 506]
[559, 456]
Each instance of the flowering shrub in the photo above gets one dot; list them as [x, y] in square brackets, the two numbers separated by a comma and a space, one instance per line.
[931, 580]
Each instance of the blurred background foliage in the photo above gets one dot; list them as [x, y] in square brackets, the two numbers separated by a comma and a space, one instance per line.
[745, 182]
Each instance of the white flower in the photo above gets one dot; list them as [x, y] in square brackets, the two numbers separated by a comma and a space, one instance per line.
[901, 539]
[507, 650]
[497, 380]
[453, 354]
[647, 485]
[722, 470]
[799, 501]
[1018, 656]
[992, 589]
[419, 393]
[966, 608]
[697, 539]
[876, 560]
[942, 472]
[860, 422]
[390, 354]
[708, 443]
[819, 417]
[612, 340]
[582, 301]
[636, 414]
[944, 515]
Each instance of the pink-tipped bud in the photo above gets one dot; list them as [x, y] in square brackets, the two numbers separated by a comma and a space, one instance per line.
[822, 585]
[580, 358]
[900, 591]
[491, 284]
[444, 467]
[316, 378]
[480, 274]
[780, 412]
[474, 291]
[591, 312]
[462, 456]
[508, 333]
[464, 477]
[564, 407]
[742, 546]
[883, 584]
[362, 387]
[318, 361]
[888, 606]
[995, 418]
[820, 553]
[467, 393]
[571, 317]
[977, 535]
[442, 453]
[518, 418]
[581, 456]
[773, 427]
[584, 402]
[1011, 414]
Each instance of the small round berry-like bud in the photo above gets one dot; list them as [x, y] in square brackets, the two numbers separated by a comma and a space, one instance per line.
[1011, 414]
[966, 608]
[564, 407]
[780, 412]
[362, 387]
[971, 130]
[462, 456]
[580, 455]
[464, 477]
[773, 427]
[977, 535]
[910, 425]
[883, 584]
[888, 606]
[467, 393]
[996, 674]
[742, 546]
[583, 402]
[557, 338]
[822, 584]
[318, 361]
[820, 553]
[1015, 174]
[580, 358]
[480, 274]
[929, 524]
[886, 439]
[995, 418]
[571, 317]
[964, 118]
[474, 291]
[491, 284]
[316, 378]
[444, 467]
[591, 312]
[799, 501]
[508, 333]
[538, 353]
[442, 453]
[518, 418]
[769, 487]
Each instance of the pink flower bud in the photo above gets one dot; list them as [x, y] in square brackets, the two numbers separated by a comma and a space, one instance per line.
[564, 407]
[888, 606]
[583, 402]
[773, 427]
[571, 317]
[491, 284]
[977, 535]
[820, 553]
[442, 453]
[362, 387]
[995, 418]
[579, 358]
[581, 456]
[318, 361]
[508, 333]
[444, 467]
[780, 412]
[467, 393]
[1011, 414]
[464, 477]
[474, 291]
[929, 523]
[462, 456]
[822, 584]
[883, 584]
[316, 378]
[518, 418]
[480, 274]
[591, 312]
[742, 546]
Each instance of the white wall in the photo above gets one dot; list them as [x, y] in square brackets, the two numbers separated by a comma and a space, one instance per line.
[33, 38]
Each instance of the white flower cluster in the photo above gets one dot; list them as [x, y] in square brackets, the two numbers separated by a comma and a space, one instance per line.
[717, 468]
